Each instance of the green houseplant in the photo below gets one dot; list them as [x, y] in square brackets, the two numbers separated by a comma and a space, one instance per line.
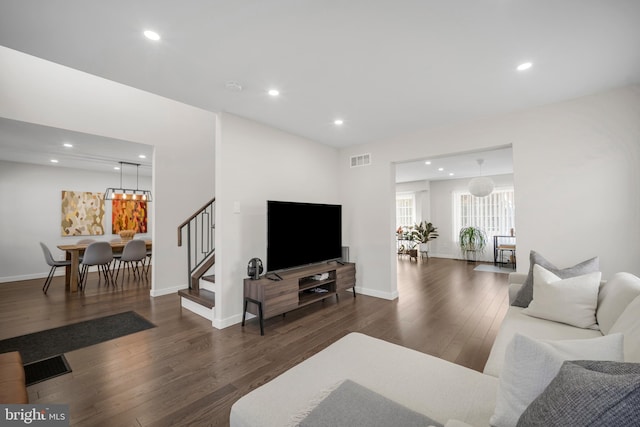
[422, 233]
[405, 235]
[471, 241]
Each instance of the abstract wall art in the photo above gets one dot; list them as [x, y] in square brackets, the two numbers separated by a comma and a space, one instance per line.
[128, 215]
[82, 213]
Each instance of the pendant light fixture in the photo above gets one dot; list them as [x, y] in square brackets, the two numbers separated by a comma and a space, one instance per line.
[481, 186]
[127, 193]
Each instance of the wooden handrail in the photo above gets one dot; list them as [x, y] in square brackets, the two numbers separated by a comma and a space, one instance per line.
[187, 221]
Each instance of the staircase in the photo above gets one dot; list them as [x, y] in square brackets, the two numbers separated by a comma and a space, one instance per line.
[199, 230]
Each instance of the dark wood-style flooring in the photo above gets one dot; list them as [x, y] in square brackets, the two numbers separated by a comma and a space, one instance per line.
[185, 372]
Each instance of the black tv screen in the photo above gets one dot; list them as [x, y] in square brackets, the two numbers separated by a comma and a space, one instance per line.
[302, 233]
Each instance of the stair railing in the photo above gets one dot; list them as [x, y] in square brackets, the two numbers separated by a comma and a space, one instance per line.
[200, 232]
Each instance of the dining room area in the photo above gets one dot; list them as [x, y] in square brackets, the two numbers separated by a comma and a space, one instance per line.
[74, 203]
[131, 257]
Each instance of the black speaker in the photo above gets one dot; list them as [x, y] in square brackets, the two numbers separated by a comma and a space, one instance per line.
[254, 269]
[345, 254]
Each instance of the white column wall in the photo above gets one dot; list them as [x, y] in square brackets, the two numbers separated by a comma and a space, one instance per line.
[256, 163]
[575, 174]
[42, 92]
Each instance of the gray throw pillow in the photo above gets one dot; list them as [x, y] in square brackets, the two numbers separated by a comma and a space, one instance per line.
[525, 294]
[588, 393]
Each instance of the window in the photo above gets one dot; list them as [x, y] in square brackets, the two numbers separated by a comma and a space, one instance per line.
[495, 214]
[405, 210]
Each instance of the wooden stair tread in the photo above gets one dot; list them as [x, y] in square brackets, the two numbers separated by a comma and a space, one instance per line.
[201, 270]
[211, 278]
[203, 297]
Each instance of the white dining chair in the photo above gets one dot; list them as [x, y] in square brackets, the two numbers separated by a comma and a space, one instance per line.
[99, 254]
[148, 260]
[54, 264]
[134, 253]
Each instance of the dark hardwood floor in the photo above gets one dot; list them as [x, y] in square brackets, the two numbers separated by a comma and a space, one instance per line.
[185, 372]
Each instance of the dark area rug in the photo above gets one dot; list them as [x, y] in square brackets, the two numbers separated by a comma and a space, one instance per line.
[45, 369]
[53, 342]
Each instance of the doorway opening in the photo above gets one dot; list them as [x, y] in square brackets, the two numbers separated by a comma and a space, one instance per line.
[436, 191]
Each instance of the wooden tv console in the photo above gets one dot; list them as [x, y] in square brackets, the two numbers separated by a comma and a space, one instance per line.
[266, 297]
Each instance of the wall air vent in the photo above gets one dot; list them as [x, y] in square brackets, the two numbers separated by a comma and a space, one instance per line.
[360, 160]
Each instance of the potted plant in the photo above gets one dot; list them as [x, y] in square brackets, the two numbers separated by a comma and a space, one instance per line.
[406, 236]
[472, 240]
[423, 233]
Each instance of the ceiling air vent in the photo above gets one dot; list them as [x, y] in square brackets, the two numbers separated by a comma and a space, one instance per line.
[360, 160]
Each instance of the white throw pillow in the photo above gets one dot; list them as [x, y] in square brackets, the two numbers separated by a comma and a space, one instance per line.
[572, 301]
[614, 297]
[530, 365]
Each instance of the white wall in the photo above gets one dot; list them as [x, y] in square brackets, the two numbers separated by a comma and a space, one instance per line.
[34, 214]
[575, 174]
[445, 245]
[42, 92]
[369, 211]
[256, 163]
[422, 193]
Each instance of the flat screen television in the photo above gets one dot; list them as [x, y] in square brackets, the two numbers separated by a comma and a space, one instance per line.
[302, 233]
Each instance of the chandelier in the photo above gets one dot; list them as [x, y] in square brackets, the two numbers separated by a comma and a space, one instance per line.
[481, 186]
[127, 193]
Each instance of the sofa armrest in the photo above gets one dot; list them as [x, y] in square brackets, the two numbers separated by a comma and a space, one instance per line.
[514, 288]
[518, 278]
[457, 423]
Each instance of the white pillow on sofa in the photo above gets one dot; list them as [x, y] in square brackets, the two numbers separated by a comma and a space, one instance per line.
[572, 301]
[615, 295]
[525, 294]
[530, 365]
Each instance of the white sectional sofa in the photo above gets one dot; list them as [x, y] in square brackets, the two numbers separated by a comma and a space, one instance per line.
[449, 394]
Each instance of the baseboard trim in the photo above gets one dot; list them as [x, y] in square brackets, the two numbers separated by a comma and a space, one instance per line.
[165, 291]
[229, 321]
[58, 273]
[378, 294]
[29, 276]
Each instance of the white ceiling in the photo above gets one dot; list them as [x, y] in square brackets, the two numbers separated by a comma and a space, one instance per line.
[386, 67]
[29, 143]
[465, 165]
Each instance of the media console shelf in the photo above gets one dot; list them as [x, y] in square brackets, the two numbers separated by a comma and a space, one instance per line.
[298, 287]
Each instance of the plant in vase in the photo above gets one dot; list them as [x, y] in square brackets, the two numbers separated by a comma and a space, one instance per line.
[471, 241]
[423, 233]
[407, 245]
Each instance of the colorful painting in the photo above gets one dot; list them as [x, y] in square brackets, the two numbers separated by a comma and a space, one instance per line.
[82, 213]
[128, 215]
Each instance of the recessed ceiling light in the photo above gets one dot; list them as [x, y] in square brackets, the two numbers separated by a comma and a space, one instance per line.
[428, 162]
[152, 35]
[142, 156]
[524, 66]
[54, 161]
[273, 92]
[116, 168]
[451, 174]
[68, 145]
[440, 169]
[338, 122]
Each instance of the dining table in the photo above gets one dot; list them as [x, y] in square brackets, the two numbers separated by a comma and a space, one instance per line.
[73, 253]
